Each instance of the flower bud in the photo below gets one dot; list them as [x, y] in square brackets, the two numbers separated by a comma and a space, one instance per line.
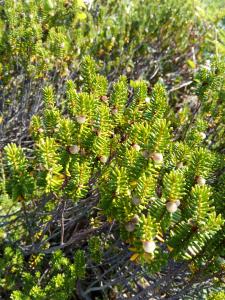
[177, 203]
[171, 207]
[152, 198]
[145, 154]
[128, 69]
[200, 180]
[136, 147]
[202, 135]
[74, 149]
[40, 130]
[103, 159]
[180, 165]
[104, 98]
[136, 200]
[81, 119]
[147, 100]
[129, 226]
[149, 246]
[135, 220]
[114, 111]
[157, 157]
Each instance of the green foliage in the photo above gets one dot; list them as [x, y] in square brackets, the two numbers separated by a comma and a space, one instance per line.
[160, 187]
[21, 185]
[42, 35]
[116, 167]
[116, 154]
[56, 281]
[94, 245]
[216, 296]
[211, 90]
[41, 43]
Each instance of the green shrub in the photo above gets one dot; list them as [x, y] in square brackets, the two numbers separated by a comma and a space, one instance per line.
[44, 35]
[42, 42]
[119, 161]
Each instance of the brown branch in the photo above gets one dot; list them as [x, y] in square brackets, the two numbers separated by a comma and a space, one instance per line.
[178, 87]
[74, 240]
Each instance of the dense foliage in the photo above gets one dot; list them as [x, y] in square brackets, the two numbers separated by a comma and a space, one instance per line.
[42, 42]
[112, 167]
[44, 35]
[123, 160]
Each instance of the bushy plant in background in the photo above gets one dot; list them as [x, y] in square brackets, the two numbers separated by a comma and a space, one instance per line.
[42, 42]
[41, 36]
[123, 180]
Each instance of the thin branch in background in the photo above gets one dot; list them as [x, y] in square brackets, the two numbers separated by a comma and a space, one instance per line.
[62, 224]
[194, 58]
[28, 225]
[180, 86]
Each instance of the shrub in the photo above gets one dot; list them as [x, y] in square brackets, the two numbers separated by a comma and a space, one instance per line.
[42, 42]
[114, 173]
